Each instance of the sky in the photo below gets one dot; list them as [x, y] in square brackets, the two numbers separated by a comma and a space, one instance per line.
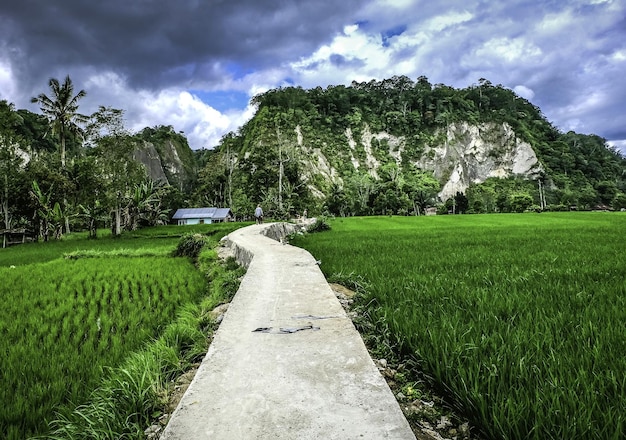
[195, 64]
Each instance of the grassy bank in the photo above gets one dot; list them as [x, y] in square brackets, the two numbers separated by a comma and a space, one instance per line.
[518, 318]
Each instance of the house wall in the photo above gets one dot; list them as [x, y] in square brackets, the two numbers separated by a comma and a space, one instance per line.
[195, 221]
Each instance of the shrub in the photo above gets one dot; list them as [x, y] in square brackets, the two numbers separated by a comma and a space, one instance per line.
[190, 245]
[319, 225]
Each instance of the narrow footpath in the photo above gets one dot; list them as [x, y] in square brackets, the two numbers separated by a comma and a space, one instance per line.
[286, 361]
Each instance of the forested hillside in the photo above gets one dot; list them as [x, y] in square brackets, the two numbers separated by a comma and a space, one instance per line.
[398, 146]
[87, 171]
[395, 146]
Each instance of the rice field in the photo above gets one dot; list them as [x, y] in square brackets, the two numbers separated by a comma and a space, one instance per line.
[73, 308]
[520, 319]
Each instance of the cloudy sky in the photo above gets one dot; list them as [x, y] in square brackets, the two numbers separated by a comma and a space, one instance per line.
[195, 64]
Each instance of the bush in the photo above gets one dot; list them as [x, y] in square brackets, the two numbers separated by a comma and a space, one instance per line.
[319, 226]
[190, 245]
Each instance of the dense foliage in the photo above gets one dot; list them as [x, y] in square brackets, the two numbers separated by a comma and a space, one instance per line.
[52, 185]
[86, 176]
[517, 319]
[267, 160]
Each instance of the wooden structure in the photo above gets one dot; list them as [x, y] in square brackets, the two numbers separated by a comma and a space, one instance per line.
[15, 236]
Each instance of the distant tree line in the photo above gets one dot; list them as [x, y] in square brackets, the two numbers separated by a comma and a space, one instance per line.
[62, 171]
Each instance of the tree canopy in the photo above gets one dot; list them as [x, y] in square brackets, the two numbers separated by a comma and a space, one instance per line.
[580, 170]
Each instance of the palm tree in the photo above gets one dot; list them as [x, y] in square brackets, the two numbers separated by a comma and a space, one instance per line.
[61, 109]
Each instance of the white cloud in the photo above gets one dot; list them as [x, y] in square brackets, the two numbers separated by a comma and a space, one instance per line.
[255, 82]
[575, 116]
[444, 21]
[524, 92]
[398, 4]
[593, 100]
[567, 56]
[619, 145]
[619, 55]
[357, 56]
[202, 124]
[507, 50]
[556, 23]
[8, 87]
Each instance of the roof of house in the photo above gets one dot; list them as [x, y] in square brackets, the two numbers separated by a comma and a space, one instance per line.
[213, 213]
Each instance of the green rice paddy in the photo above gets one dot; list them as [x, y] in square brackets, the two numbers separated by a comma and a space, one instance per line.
[520, 319]
[73, 308]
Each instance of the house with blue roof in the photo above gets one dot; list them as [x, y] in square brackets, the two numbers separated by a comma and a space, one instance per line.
[199, 216]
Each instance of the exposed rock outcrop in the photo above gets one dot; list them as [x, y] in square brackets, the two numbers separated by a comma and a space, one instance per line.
[147, 154]
[474, 153]
[459, 156]
[164, 162]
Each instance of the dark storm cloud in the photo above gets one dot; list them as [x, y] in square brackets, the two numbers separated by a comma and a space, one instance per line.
[156, 43]
[341, 61]
[568, 57]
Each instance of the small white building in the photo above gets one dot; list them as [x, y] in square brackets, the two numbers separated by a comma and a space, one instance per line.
[199, 216]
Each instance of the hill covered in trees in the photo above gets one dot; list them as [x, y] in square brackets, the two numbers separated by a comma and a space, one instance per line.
[398, 146]
[93, 174]
[395, 146]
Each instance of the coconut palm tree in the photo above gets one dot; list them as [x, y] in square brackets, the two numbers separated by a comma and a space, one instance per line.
[61, 109]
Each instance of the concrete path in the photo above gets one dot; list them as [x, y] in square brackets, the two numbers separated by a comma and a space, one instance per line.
[286, 361]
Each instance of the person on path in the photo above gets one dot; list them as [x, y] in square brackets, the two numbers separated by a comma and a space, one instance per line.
[258, 214]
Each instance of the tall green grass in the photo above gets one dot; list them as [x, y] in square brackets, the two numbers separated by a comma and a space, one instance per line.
[519, 318]
[75, 308]
[133, 395]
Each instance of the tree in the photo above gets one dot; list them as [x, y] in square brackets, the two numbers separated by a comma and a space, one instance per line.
[229, 160]
[421, 188]
[482, 197]
[619, 202]
[92, 214]
[10, 160]
[107, 121]
[336, 202]
[359, 188]
[61, 109]
[145, 205]
[213, 178]
[10, 164]
[607, 190]
[47, 211]
[119, 175]
[461, 203]
[520, 201]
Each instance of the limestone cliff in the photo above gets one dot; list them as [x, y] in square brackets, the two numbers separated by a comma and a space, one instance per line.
[458, 156]
[166, 161]
[149, 156]
[474, 153]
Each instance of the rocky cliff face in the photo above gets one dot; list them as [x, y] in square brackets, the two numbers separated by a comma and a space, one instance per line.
[472, 154]
[164, 162]
[147, 154]
[460, 155]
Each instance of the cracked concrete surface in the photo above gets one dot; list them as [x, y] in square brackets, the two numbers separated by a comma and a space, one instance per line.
[308, 377]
